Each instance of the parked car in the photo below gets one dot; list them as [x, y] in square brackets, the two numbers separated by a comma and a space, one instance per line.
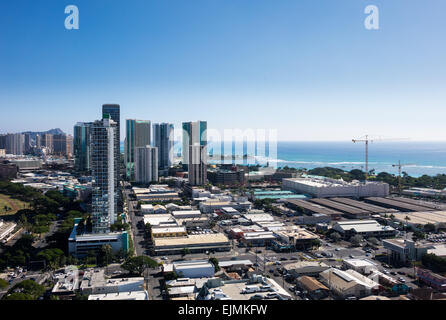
[271, 295]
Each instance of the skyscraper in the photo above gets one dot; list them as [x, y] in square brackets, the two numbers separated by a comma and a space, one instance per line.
[163, 139]
[104, 167]
[47, 141]
[81, 146]
[113, 112]
[197, 164]
[137, 135]
[27, 143]
[62, 144]
[146, 164]
[38, 141]
[14, 143]
[193, 132]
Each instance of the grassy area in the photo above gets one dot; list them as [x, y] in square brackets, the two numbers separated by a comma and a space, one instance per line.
[9, 206]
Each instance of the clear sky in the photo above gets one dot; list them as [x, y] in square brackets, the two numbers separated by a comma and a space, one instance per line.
[308, 68]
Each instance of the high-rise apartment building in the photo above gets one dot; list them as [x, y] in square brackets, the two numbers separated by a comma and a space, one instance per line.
[137, 135]
[146, 164]
[47, 142]
[104, 166]
[14, 143]
[62, 145]
[81, 146]
[193, 132]
[163, 139]
[197, 164]
[38, 141]
[27, 146]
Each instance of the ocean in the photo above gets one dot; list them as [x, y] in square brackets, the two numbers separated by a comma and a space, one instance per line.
[423, 157]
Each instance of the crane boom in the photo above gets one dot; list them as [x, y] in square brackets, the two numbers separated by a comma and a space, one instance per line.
[366, 141]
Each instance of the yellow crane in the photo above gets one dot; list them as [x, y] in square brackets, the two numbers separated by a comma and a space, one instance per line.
[367, 140]
[400, 165]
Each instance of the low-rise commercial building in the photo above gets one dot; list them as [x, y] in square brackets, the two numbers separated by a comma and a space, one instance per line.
[365, 228]
[191, 269]
[305, 268]
[315, 289]
[434, 280]
[194, 243]
[211, 205]
[404, 250]
[168, 232]
[348, 283]
[363, 266]
[80, 244]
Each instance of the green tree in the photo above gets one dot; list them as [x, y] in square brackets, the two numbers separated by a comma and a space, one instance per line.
[356, 240]
[214, 261]
[374, 241]
[137, 265]
[3, 284]
[429, 227]
[25, 290]
[335, 236]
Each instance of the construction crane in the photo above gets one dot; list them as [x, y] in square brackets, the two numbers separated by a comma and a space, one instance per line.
[400, 165]
[367, 140]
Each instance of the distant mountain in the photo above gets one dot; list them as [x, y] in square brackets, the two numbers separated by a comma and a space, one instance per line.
[51, 131]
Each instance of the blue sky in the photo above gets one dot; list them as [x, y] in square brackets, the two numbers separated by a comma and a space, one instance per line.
[307, 68]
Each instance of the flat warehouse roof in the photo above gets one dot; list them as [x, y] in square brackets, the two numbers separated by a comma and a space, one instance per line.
[416, 202]
[422, 217]
[363, 205]
[313, 207]
[192, 239]
[340, 206]
[403, 206]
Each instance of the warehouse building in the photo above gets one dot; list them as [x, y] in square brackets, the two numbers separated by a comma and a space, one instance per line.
[396, 204]
[365, 206]
[321, 187]
[349, 211]
[310, 208]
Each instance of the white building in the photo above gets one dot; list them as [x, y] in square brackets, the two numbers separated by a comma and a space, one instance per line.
[186, 214]
[365, 228]
[146, 208]
[146, 164]
[320, 187]
[192, 269]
